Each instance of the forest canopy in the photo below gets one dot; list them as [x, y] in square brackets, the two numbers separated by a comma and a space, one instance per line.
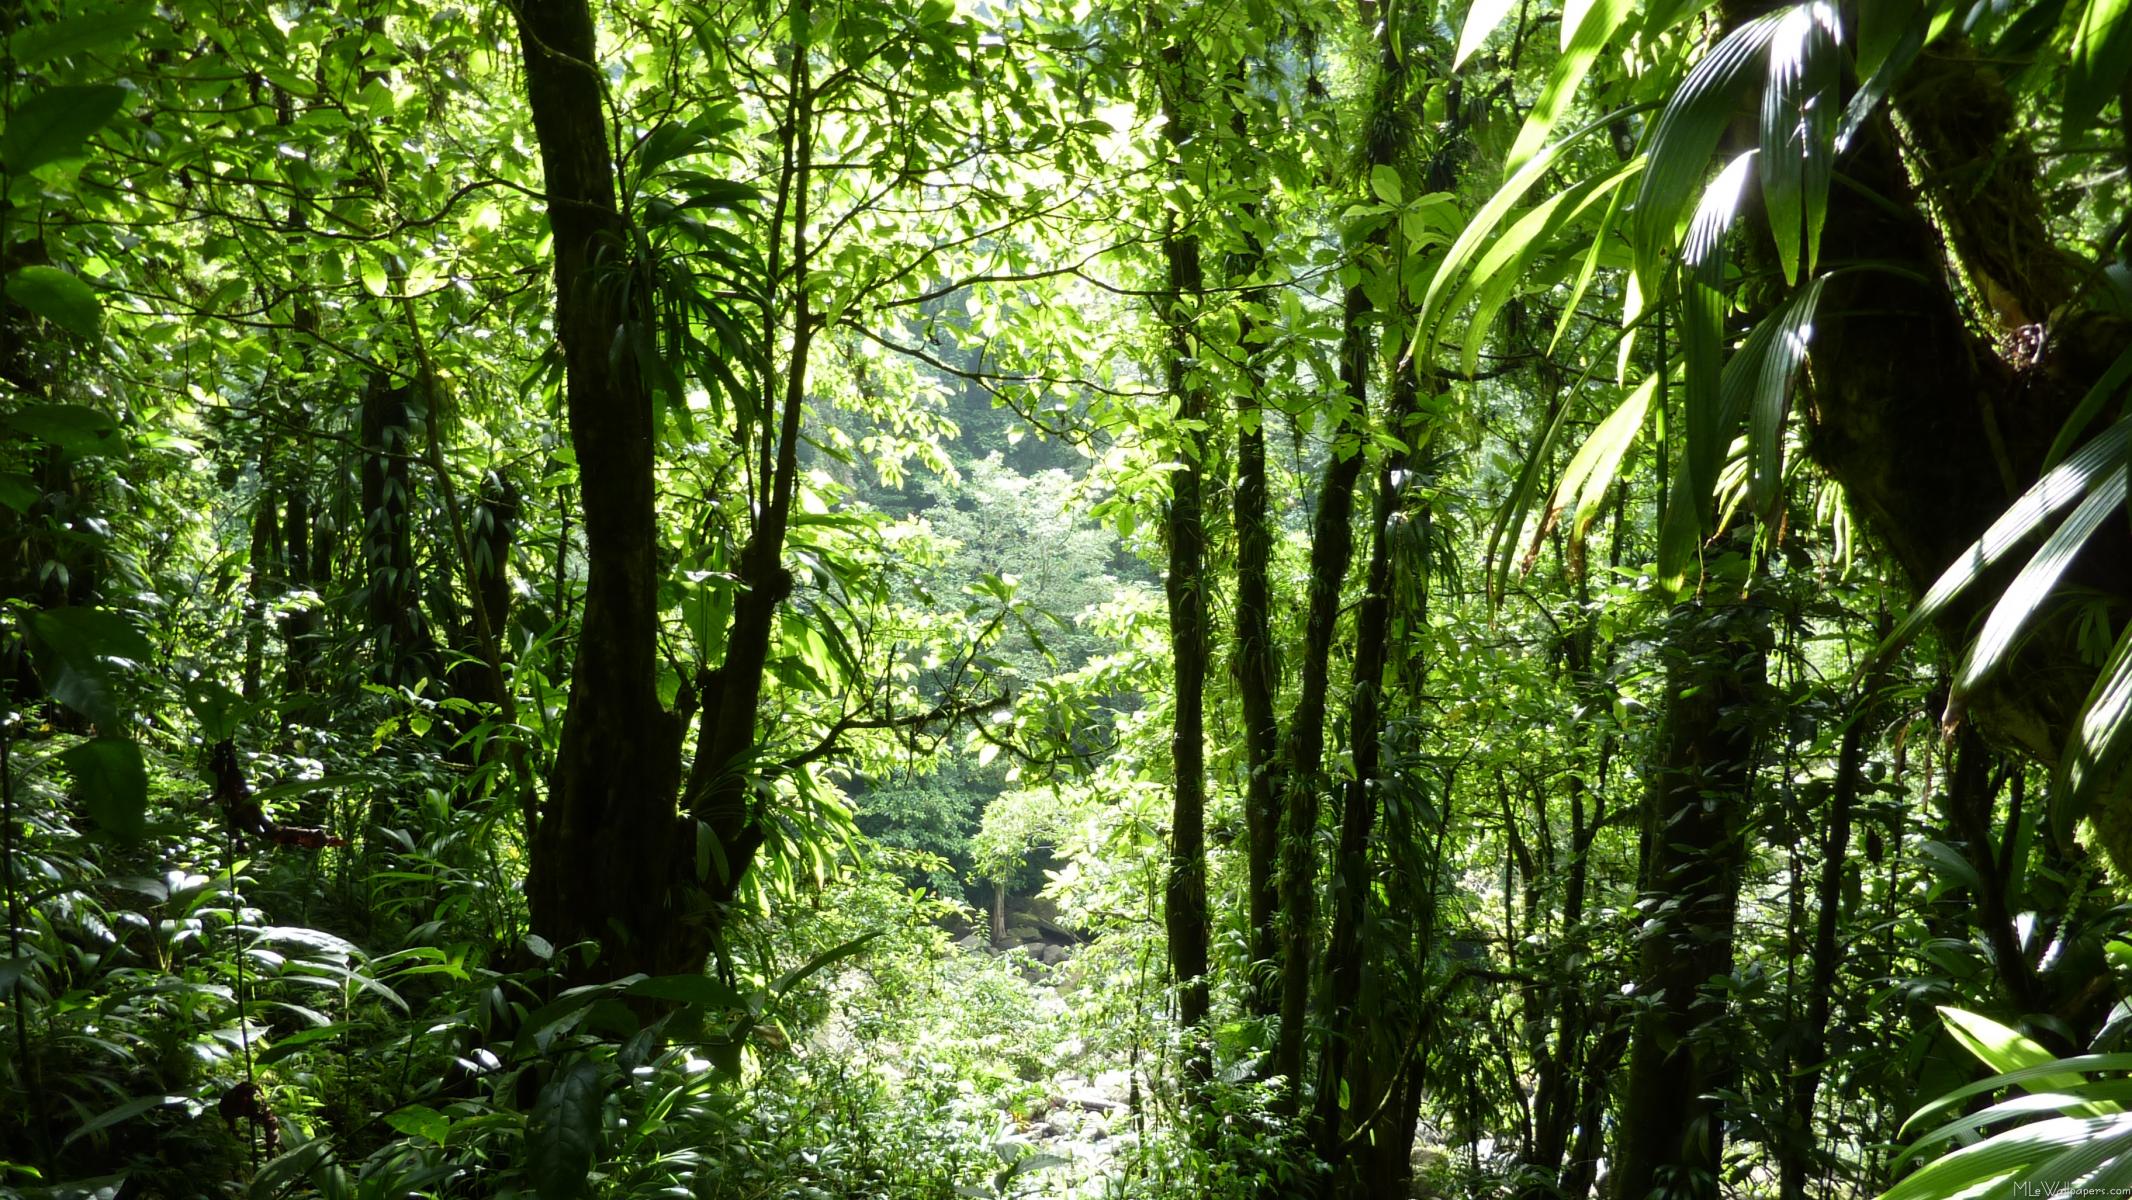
[930, 598]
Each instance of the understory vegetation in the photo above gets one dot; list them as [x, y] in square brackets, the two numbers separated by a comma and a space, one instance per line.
[919, 599]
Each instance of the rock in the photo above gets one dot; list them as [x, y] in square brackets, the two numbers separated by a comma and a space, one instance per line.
[1051, 955]
[1023, 934]
[972, 942]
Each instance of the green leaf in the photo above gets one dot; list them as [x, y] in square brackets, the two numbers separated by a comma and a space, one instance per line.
[1384, 181]
[1798, 141]
[563, 1132]
[78, 431]
[2023, 599]
[2003, 1155]
[700, 990]
[1768, 362]
[1481, 20]
[56, 124]
[122, 1112]
[59, 297]
[2095, 750]
[1597, 463]
[1585, 33]
[218, 710]
[372, 269]
[795, 977]
[1481, 229]
[39, 44]
[419, 1121]
[78, 632]
[112, 782]
[2060, 486]
[2102, 53]
[2106, 389]
[1686, 136]
[2000, 1048]
[1498, 272]
[18, 493]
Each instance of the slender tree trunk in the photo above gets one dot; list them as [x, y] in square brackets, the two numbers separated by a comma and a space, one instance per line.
[1257, 673]
[1795, 1159]
[1695, 814]
[604, 854]
[1185, 894]
[1332, 544]
[1352, 871]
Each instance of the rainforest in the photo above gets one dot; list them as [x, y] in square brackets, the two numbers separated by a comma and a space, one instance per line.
[1154, 599]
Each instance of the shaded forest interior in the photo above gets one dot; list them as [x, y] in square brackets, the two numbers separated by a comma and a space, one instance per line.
[916, 599]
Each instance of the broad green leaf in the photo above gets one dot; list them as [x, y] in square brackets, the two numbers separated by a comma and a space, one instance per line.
[1686, 136]
[111, 782]
[18, 492]
[78, 431]
[563, 1132]
[55, 124]
[81, 632]
[1586, 29]
[1481, 20]
[2001, 1156]
[2000, 1048]
[59, 297]
[41, 43]
[1384, 181]
[1500, 271]
[1799, 104]
[2102, 53]
[2026, 1075]
[419, 1121]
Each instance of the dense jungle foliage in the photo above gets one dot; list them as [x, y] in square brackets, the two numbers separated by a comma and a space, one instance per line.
[912, 599]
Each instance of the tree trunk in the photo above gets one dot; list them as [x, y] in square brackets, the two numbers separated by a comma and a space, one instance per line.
[1185, 895]
[1795, 1156]
[604, 857]
[1695, 812]
[1345, 1026]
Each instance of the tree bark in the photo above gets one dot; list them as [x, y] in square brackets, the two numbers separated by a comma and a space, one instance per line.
[1695, 812]
[603, 858]
[1185, 894]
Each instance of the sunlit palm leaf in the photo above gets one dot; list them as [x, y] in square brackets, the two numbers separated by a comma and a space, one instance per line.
[2009, 1157]
[2102, 53]
[2095, 753]
[1597, 464]
[1774, 362]
[2024, 598]
[1702, 320]
[1481, 230]
[1586, 29]
[1687, 135]
[1498, 273]
[1799, 104]
[2060, 486]
[1481, 20]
